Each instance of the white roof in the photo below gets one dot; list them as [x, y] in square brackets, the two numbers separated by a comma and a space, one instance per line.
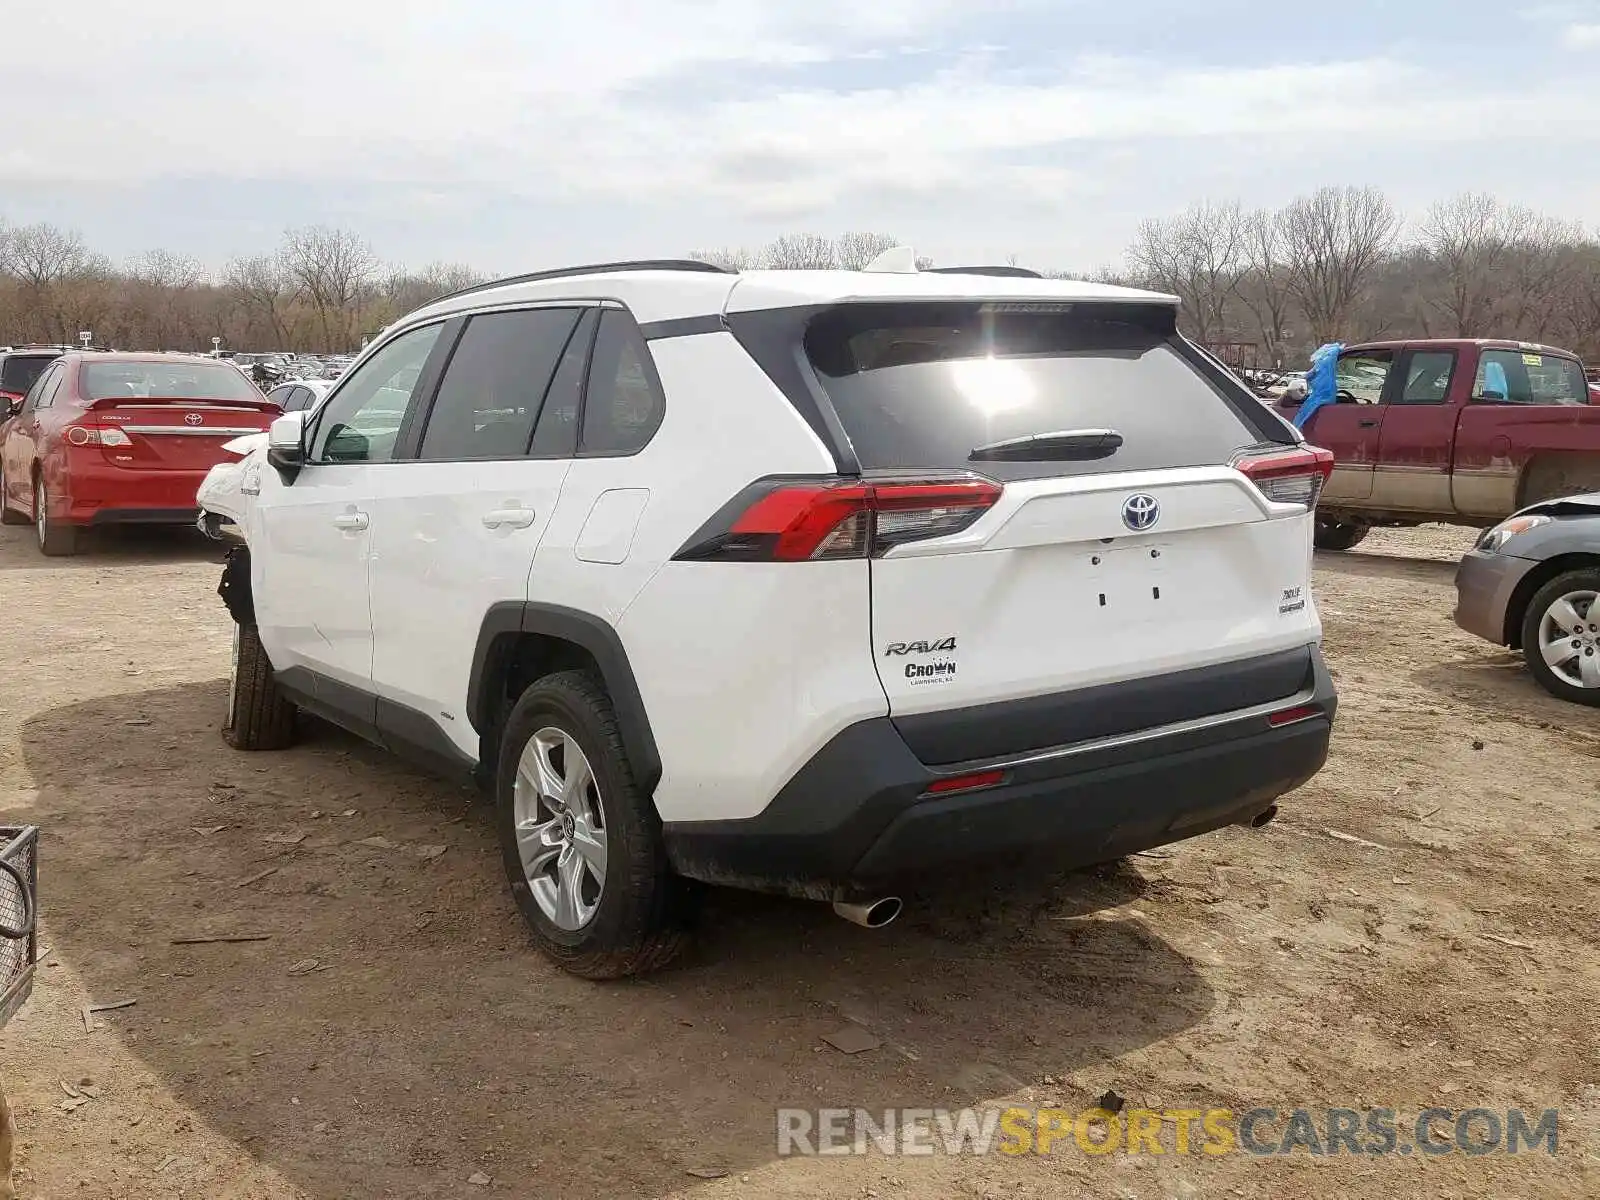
[672, 295]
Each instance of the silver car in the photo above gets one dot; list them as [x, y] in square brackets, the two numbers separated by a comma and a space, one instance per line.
[1531, 583]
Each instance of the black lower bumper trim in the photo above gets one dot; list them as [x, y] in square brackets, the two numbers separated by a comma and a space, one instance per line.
[145, 516]
[858, 814]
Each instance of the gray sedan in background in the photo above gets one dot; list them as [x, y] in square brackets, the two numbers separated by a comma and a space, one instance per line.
[1531, 583]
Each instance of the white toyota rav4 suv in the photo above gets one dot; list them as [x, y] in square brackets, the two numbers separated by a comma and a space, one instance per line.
[808, 582]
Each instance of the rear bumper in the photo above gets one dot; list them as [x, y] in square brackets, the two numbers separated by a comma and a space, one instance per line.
[859, 815]
[1485, 584]
[112, 496]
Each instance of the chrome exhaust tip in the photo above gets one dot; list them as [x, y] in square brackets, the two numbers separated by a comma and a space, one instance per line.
[869, 914]
[1264, 817]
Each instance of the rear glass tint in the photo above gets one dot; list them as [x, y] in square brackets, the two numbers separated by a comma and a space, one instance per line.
[924, 385]
[19, 372]
[163, 381]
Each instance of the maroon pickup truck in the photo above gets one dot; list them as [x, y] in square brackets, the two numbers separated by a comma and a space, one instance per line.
[1465, 432]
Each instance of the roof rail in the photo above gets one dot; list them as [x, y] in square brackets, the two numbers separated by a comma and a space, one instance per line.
[997, 272]
[643, 264]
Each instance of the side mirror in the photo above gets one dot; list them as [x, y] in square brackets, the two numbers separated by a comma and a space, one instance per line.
[1296, 392]
[286, 445]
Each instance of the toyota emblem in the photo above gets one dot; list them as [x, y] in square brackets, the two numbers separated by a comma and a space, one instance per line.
[1140, 511]
[192, 419]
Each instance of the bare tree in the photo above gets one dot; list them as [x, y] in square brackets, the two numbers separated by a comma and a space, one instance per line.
[160, 294]
[1539, 267]
[38, 256]
[729, 258]
[855, 250]
[1335, 239]
[57, 276]
[1197, 257]
[402, 290]
[1264, 287]
[266, 289]
[1467, 240]
[1576, 309]
[800, 252]
[334, 269]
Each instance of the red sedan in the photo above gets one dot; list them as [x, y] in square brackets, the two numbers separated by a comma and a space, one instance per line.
[120, 439]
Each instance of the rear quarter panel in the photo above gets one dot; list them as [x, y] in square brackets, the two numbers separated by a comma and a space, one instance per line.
[745, 669]
[1503, 451]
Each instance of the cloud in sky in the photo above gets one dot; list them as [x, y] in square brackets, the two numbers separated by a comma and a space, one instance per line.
[520, 134]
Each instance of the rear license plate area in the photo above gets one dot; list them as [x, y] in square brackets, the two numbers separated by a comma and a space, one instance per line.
[1130, 584]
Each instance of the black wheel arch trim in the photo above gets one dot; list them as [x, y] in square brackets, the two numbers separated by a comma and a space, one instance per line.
[505, 622]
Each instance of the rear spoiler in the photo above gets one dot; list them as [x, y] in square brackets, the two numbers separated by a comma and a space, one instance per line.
[261, 405]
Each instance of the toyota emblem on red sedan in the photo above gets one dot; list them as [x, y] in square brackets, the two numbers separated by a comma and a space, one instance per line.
[192, 419]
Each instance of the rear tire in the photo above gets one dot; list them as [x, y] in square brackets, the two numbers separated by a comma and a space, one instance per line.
[259, 717]
[56, 540]
[1579, 591]
[1329, 534]
[635, 918]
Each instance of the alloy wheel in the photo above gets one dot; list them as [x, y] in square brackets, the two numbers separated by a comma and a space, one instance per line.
[560, 828]
[1569, 639]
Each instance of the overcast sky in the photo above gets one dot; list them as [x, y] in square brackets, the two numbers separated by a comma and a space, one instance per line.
[514, 134]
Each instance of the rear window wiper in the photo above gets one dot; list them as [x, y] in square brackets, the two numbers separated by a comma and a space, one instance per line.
[1067, 445]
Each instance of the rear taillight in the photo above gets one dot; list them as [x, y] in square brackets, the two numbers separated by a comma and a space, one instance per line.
[96, 435]
[789, 520]
[1287, 476]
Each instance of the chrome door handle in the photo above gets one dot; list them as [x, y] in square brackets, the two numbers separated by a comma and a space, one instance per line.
[513, 518]
[351, 522]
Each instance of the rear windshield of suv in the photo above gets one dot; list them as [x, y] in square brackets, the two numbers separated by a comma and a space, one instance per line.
[167, 381]
[923, 385]
[19, 372]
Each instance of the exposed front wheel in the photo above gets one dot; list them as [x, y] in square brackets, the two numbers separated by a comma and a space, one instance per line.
[1561, 636]
[581, 843]
[1329, 534]
[259, 717]
[56, 540]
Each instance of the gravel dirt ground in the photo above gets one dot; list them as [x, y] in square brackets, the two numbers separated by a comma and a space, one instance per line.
[1416, 929]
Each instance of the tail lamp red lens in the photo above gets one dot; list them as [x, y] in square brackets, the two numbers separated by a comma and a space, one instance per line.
[1288, 476]
[96, 435]
[807, 520]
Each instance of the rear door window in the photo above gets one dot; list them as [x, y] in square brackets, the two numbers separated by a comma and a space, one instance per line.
[556, 435]
[495, 384]
[624, 403]
[1427, 377]
[43, 394]
[1529, 377]
[924, 385]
